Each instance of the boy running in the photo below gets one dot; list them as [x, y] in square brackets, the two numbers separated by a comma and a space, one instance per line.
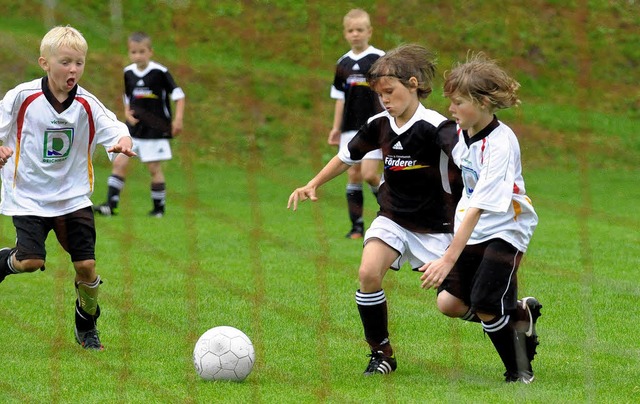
[49, 129]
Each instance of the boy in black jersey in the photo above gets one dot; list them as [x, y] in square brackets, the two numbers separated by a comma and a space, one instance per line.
[417, 199]
[149, 90]
[355, 103]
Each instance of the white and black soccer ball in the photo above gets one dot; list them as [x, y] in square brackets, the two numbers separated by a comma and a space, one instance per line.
[224, 353]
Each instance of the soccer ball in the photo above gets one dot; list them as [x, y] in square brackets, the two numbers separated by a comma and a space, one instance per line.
[224, 353]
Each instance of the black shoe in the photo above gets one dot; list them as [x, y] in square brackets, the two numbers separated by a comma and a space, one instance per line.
[156, 213]
[525, 377]
[89, 339]
[105, 210]
[4, 266]
[356, 232]
[532, 306]
[380, 363]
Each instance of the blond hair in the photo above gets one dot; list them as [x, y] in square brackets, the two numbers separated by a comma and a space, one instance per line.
[404, 62]
[59, 37]
[482, 80]
[357, 13]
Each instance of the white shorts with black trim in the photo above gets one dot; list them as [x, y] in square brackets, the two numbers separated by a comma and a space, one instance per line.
[414, 248]
[149, 150]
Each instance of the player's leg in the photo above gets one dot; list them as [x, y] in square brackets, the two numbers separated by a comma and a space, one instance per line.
[354, 196]
[29, 254]
[355, 202]
[370, 170]
[526, 317]
[77, 235]
[377, 257]
[496, 307]
[158, 188]
[115, 185]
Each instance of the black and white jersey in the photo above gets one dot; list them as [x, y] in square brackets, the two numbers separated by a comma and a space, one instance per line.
[422, 185]
[350, 84]
[149, 94]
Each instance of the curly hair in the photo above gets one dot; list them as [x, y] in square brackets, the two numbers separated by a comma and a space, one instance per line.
[404, 62]
[481, 79]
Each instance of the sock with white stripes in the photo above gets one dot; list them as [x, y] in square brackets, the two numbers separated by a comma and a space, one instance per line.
[158, 196]
[116, 184]
[505, 339]
[373, 313]
[470, 316]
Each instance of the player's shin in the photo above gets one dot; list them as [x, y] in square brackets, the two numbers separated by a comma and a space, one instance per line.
[87, 308]
[373, 313]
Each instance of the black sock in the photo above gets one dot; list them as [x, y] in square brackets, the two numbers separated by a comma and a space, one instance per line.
[116, 184]
[373, 313]
[355, 201]
[84, 320]
[158, 195]
[508, 344]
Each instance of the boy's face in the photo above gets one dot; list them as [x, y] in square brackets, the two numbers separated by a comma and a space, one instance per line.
[357, 32]
[468, 115]
[140, 53]
[64, 69]
[399, 101]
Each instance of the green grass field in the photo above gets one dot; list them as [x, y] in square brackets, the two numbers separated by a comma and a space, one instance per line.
[230, 253]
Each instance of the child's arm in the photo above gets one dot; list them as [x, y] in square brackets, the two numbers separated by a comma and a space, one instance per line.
[124, 146]
[334, 134]
[128, 115]
[436, 271]
[176, 125]
[333, 168]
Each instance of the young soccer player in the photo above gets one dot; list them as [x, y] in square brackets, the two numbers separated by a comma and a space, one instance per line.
[415, 221]
[149, 89]
[355, 103]
[49, 129]
[477, 275]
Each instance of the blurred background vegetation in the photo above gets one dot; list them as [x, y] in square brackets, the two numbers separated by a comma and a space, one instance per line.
[257, 73]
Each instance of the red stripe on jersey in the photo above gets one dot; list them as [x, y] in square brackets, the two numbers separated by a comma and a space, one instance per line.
[516, 189]
[92, 133]
[20, 122]
[484, 144]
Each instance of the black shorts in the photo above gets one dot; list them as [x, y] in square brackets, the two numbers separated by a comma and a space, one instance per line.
[485, 277]
[75, 231]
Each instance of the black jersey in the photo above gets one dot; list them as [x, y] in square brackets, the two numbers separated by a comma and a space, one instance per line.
[421, 184]
[350, 84]
[149, 93]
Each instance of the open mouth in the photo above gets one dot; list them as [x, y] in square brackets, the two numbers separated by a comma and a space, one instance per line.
[71, 82]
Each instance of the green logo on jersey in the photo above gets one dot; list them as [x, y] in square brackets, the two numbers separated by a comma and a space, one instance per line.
[57, 144]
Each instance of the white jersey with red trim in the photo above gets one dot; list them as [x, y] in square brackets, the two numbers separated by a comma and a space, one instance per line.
[492, 175]
[51, 170]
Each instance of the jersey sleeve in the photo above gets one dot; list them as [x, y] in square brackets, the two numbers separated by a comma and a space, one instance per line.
[6, 114]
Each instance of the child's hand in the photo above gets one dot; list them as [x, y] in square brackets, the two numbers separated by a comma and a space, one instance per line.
[123, 146]
[302, 194]
[176, 127]
[434, 273]
[5, 154]
[334, 137]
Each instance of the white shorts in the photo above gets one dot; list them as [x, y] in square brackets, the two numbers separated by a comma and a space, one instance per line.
[149, 150]
[345, 138]
[414, 248]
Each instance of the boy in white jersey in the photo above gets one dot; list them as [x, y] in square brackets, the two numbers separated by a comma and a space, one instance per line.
[49, 129]
[477, 275]
[355, 103]
[417, 198]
